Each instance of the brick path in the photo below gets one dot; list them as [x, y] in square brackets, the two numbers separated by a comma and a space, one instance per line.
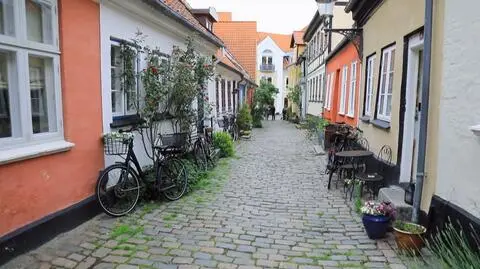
[273, 212]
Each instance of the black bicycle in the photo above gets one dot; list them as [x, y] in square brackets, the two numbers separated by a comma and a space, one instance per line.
[230, 126]
[119, 185]
[203, 149]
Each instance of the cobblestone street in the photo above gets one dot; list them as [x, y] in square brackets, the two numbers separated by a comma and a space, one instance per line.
[274, 211]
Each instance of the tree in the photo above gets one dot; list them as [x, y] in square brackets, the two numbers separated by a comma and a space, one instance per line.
[264, 96]
[170, 88]
[294, 95]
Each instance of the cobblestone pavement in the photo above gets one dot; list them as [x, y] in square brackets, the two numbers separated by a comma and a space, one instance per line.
[273, 212]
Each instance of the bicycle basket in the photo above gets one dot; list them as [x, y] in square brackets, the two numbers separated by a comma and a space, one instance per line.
[116, 143]
[177, 140]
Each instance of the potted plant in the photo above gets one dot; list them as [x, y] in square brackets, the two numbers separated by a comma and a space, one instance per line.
[377, 217]
[409, 236]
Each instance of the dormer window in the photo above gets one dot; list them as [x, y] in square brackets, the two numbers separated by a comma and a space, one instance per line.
[208, 25]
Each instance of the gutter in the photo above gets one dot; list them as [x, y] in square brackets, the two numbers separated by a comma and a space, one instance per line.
[422, 141]
[159, 5]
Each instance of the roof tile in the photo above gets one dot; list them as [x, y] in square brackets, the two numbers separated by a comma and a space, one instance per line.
[241, 39]
[283, 41]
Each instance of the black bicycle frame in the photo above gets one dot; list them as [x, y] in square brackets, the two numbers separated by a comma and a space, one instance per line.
[131, 157]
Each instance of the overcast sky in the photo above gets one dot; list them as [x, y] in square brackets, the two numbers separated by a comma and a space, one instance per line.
[276, 16]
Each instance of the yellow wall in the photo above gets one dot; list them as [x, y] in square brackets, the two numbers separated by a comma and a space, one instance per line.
[294, 75]
[390, 23]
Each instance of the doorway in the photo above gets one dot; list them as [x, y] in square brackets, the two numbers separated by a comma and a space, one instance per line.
[413, 109]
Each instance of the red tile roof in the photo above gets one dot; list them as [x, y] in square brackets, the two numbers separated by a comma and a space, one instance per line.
[224, 16]
[297, 37]
[283, 41]
[241, 39]
[183, 9]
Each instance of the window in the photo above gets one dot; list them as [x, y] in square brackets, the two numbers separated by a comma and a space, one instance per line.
[386, 84]
[217, 96]
[353, 86]
[369, 85]
[7, 17]
[322, 86]
[310, 90]
[30, 94]
[343, 92]
[124, 101]
[328, 91]
[223, 95]
[208, 25]
[229, 95]
[315, 89]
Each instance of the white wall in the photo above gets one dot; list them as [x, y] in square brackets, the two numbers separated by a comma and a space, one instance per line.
[277, 54]
[122, 19]
[228, 75]
[458, 177]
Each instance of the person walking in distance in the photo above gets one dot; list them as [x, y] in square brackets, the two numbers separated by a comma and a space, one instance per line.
[273, 112]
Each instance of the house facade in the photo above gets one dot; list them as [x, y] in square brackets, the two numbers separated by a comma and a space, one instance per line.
[343, 84]
[293, 70]
[385, 116]
[241, 39]
[319, 45]
[272, 52]
[50, 147]
[450, 188]
[120, 23]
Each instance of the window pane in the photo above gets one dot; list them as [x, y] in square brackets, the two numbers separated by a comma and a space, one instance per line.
[7, 18]
[392, 61]
[390, 83]
[39, 21]
[389, 106]
[380, 105]
[115, 79]
[42, 95]
[5, 113]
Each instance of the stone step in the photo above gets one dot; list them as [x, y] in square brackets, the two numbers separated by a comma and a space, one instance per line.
[396, 196]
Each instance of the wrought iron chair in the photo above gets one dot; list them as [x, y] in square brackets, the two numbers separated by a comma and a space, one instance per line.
[374, 180]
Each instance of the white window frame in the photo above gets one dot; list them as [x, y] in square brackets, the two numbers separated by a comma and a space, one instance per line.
[386, 69]
[23, 143]
[369, 84]
[322, 86]
[343, 90]
[353, 87]
[123, 108]
[327, 93]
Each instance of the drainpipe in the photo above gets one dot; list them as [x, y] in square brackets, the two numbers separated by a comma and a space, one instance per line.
[422, 141]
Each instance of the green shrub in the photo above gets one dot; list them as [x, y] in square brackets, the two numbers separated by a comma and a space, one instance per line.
[257, 117]
[450, 249]
[244, 120]
[224, 142]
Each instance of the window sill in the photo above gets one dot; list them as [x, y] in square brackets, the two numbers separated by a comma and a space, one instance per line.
[365, 119]
[385, 125]
[350, 116]
[127, 120]
[34, 151]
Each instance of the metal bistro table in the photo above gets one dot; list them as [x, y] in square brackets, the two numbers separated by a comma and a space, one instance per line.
[353, 157]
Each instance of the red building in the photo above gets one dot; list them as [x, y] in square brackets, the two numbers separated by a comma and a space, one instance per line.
[343, 83]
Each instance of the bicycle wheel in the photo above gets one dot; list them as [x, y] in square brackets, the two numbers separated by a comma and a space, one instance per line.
[200, 155]
[173, 178]
[117, 190]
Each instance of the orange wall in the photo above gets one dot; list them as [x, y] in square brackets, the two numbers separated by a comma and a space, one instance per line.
[335, 65]
[32, 189]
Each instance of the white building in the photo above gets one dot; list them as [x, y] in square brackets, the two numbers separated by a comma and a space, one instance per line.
[319, 44]
[272, 51]
[163, 28]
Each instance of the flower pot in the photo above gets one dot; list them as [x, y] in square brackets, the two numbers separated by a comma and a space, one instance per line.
[410, 242]
[376, 226]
